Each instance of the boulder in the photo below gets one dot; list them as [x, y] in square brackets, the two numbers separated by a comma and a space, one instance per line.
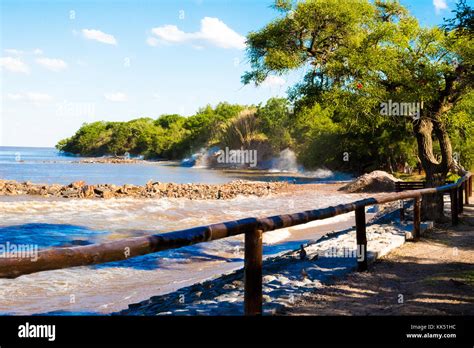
[54, 189]
[34, 190]
[69, 193]
[104, 191]
[77, 184]
[108, 194]
[87, 191]
[149, 185]
[376, 181]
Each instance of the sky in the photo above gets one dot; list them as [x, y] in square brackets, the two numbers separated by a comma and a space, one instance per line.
[63, 63]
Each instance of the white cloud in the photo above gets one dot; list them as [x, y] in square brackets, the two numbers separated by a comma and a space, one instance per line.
[97, 35]
[34, 97]
[38, 97]
[212, 30]
[116, 97]
[52, 64]
[14, 65]
[273, 81]
[151, 41]
[14, 96]
[440, 5]
[171, 33]
[13, 51]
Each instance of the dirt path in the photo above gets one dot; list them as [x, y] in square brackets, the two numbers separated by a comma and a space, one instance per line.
[434, 276]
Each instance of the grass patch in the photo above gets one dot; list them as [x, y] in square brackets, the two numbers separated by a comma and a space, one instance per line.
[409, 177]
[466, 277]
[421, 177]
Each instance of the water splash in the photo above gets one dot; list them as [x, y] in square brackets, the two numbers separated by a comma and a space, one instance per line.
[285, 162]
[200, 159]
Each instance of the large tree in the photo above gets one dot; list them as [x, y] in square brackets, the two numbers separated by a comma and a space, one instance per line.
[358, 54]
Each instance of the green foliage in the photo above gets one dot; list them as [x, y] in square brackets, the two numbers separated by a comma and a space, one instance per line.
[275, 122]
[90, 140]
[460, 123]
[170, 136]
[358, 54]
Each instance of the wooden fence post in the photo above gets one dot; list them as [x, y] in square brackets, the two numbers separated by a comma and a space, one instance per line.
[402, 211]
[361, 239]
[417, 219]
[454, 206]
[466, 192]
[460, 199]
[253, 272]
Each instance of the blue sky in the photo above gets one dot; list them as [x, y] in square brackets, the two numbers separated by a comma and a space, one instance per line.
[68, 62]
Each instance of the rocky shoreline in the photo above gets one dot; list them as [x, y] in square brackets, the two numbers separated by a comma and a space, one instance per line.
[112, 160]
[80, 189]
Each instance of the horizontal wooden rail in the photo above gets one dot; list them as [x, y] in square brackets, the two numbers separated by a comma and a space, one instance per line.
[59, 258]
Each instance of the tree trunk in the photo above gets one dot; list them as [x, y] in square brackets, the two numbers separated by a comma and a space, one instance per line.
[436, 171]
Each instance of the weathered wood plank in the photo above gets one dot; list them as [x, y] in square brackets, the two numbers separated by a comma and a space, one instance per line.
[417, 219]
[253, 272]
[361, 237]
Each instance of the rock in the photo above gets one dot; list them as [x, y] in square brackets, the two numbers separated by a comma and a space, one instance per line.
[34, 190]
[376, 181]
[53, 189]
[104, 192]
[238, 283]
[87, 191]
[79, 189]
[108, 194]
[113, 160]
[122, 190]
[149, 185]
[10, 190]
[131, 189]
[77, 184]
[158, 186]
[70, 193]
[266, 298]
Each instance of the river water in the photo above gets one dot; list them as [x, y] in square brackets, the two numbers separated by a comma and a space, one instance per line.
[55, 222]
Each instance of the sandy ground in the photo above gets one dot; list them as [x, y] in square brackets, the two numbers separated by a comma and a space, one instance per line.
[434, 276]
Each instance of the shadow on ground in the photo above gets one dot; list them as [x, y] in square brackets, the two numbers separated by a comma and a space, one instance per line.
[434, 276]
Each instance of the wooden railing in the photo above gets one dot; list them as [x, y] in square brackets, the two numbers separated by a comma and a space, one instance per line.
[253, 228]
